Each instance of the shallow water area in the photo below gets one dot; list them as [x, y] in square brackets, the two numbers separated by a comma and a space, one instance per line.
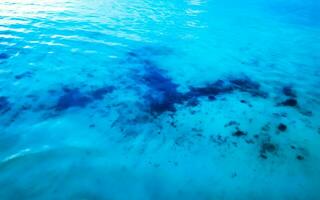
[192, 99]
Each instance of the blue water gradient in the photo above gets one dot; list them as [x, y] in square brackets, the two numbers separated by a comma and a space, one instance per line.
[155, 99]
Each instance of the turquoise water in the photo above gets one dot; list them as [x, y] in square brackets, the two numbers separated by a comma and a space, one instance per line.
[147, 99]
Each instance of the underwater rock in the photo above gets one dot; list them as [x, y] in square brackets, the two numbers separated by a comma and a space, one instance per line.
[23, 75]
[282, 127]
[4, 56]
[239, 133]
[4, 103]
[289, 102]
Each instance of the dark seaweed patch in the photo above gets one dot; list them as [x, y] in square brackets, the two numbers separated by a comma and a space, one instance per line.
[155, 79]
[75, 98]
[267, 147]
[158, 102]
[193, 102]
[211, 98]
[219, 87]
[245, 84]
[162, 93]
[4, 103]
[289, 102]
[212, 89]
[99, 93]
[4, 56]
[72, 98]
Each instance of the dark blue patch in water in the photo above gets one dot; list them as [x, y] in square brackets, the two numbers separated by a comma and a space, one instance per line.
[23, 75]
[245, 84]
[4, 103]
[288, 91]
[212, 90]
[99, 93]
[4, 56]
[162, 92]
[155, 79]
[289, 102]
[219, 87]
[73, 97]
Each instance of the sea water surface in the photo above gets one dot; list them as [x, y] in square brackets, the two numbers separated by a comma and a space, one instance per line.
[159, 99]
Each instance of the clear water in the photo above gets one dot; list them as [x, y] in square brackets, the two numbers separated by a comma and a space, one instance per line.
[149, 99]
